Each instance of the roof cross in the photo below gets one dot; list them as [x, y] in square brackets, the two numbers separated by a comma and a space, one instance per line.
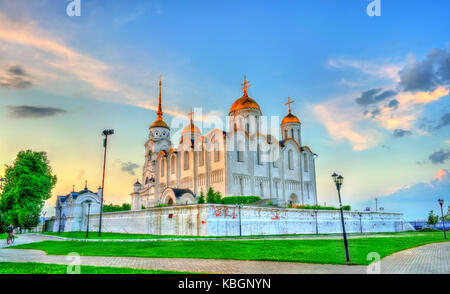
[245, 86]
[289, 103]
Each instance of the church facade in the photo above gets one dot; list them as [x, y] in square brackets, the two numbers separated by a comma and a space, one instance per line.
[242, 161]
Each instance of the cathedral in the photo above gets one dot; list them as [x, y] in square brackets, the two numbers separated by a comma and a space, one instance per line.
[244, 160]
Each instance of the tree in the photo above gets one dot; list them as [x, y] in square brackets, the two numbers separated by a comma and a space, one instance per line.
[432, 218]
[210, 196]
[28, 183]
[201, 199]
[217, 198]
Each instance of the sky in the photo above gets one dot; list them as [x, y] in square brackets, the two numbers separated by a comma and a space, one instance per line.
[372, 92]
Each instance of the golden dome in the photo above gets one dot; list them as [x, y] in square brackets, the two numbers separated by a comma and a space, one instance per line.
[159, 123]
[190, 128]
[290, 118]
[244, 102]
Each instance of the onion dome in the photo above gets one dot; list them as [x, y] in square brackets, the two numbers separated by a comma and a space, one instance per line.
[244, 102]
[290, 118]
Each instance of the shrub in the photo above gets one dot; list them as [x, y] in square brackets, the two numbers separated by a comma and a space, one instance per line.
[428, 230]
[142, 207]
[270, 203]
[318, 207]
[112, 207]
[161, 205]
[201, 199]
[210, 196]
[240, 199]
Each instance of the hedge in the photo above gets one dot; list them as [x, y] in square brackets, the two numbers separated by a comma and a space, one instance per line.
[318, 207]
[240, 199]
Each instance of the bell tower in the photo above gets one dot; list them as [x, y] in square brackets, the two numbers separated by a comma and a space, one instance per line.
[158, 140]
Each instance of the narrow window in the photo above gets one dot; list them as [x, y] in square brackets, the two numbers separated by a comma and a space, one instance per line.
[258, 154]
[292, 133]
[216, 152]
[290, 160]
[172, 165]
[162, 167]
[186, 160]
[305, 162]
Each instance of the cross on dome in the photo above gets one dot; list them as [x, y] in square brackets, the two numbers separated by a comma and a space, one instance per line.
[289, 103]
[245, 86]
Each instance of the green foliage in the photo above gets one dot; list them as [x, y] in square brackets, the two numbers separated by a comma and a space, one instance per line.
[28, 183]
[428, 230]
[142, 207]
[240, 199]
[201, 199]
[213, 197]
[432, 218]
[327, 251]
[44, 268]
[318, 207]
[112, 208]
[270, 203]
[161, 205]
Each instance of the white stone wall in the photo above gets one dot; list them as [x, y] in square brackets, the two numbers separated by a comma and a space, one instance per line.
[223, 220]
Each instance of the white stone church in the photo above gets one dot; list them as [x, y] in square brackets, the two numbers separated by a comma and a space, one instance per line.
[242, 161]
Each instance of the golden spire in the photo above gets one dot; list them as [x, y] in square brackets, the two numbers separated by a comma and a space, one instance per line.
[159, 113]
[289, 104]
[245, 86]
[159, 120]
[191, 123]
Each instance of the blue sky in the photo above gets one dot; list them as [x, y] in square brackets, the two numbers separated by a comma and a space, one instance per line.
[100, 70]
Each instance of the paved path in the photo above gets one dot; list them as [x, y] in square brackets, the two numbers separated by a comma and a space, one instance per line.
[432, 258]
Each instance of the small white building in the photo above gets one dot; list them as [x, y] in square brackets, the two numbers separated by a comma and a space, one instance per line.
[74, 206]
[241, 162]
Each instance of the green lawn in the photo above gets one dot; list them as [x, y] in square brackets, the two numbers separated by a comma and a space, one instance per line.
[310, 251]
[113, 236]
[43, 268]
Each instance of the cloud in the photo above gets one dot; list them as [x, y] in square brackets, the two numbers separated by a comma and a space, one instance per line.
[398, 133]
[416, 200]
[15, 77]
[439, 156]
[343, 122]
[428, 74]
[129, 167]
[26, 111]
[374, 96]
[393, 104]
[444, 121]
[378, 69]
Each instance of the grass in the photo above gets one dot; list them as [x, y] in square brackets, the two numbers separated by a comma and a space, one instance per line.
[44, 268]
[311, 251]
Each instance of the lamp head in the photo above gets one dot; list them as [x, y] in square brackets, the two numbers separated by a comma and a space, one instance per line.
[334, 176]
[441, 202]
[108, 132]
[340, 179]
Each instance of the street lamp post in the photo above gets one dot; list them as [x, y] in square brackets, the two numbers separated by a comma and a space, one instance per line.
[60, 211]
[338, 179]
[105, 133]
[317, 226]
[240, 220]
[89, 212]
[441, 203]
[360, 222]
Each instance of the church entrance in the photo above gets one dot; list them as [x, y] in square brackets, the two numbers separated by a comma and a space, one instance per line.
[293, 199]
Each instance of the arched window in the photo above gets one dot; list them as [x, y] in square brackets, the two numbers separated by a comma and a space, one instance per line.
[216, 152]
[305, 162]
[240, 153]
[292, 133]
[149, 155]
[186, 160]
[285, 134]
[172, 164]
[162, 167]
[290, 160]
[258, 154]
[202, 156]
